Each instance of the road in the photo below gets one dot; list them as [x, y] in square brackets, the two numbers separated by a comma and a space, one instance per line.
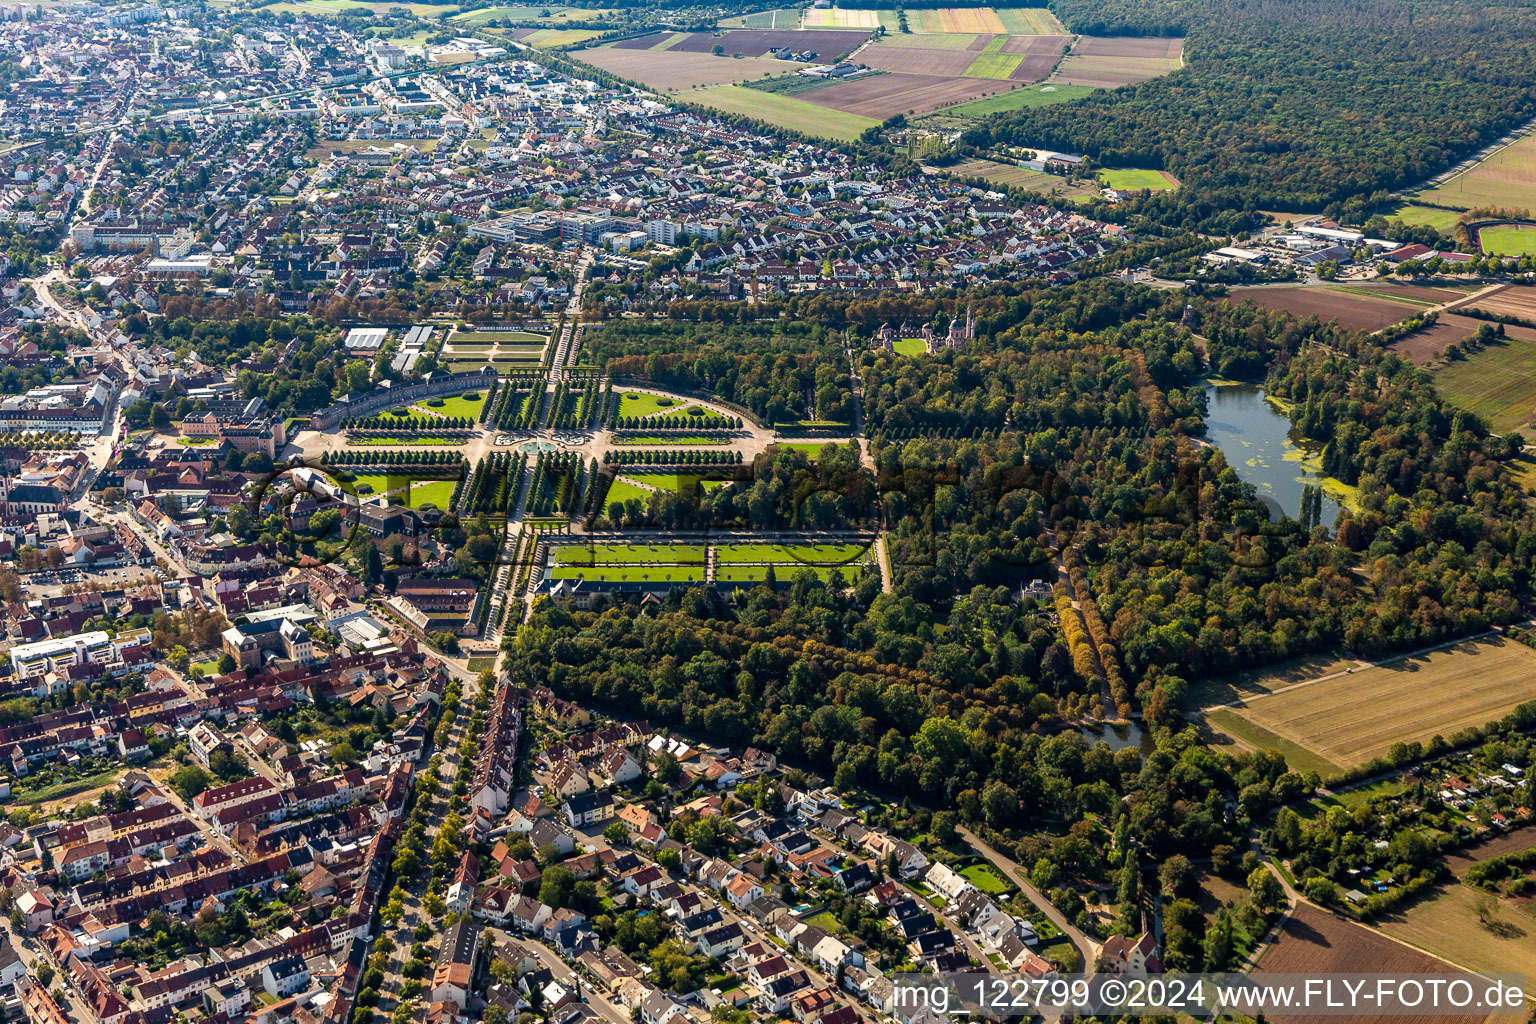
[1087, 949]
[584, 989]
[33, 952]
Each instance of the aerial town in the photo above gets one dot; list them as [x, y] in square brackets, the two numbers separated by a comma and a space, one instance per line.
[695, 514]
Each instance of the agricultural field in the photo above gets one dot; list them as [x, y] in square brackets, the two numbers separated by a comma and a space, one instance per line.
[838, 17]
[1131, 179]
[785, 18]
[1446, 923]
[1226, 726]
[1351, 718]
[1517, 301]
[1112, 72]
[542, 16]
[785, 111]
[1355, 312]
[672, 70]
[1498, 382]
[1019, 99]
[880, 96]
[1506, 179]
[1508, 240]
[323, 7]
[1315, 942]
[752, 43]
[546, 37]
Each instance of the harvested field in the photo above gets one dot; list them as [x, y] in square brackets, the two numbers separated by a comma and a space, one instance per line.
[1446, 922]
[1506, 179]
[911, 41]
[753, 43]
[789, 111]
[1509, 842]
[1497, 382]
[1314, 942]
[1034, 67]
[1430, 343]
[1512, 300]
[670, 70]
[1355, 717]
[1112, 72]
[841, 17]
[881, 96]
[1355, 312]
[1036, 44]
[1030, 21]
[940, 63]
[1426, 294]
[1129, 46]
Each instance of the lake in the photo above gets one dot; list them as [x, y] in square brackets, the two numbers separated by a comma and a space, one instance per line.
[1257, 440]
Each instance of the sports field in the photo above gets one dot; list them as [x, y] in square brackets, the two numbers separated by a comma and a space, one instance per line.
[785, 111]
[1506, 179]
[1497, 382]
[1508, 240]
[1131, 179]
[1353, 717]
[1019, 99]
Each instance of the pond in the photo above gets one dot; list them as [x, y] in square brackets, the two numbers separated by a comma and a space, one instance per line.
[1257, 440]
[1120, 735]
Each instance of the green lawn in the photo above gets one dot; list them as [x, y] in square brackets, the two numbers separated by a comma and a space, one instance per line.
[984, 878]
[1019, 99]
[504, 338]
[813, 447]
[1131, 179]
[623, 490]
[1297, 757]
[457, 405]
[910, 347]
[824, 554]
[402, 488]
[785, 111]
[642, 573]
[781, 573]
[636, 403]
[629, 554]
[1498, 382]
[1508, 241]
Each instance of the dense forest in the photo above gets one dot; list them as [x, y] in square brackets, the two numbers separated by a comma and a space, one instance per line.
[1294, 105]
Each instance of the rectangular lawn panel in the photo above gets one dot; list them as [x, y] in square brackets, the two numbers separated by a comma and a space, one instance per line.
[630, 573]
[785, 111]
[822, 554]
[1351, 719]
[629, 554]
